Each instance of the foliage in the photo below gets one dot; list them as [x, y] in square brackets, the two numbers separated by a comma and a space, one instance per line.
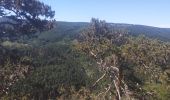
[102, 43]
[50, 66]
[135, 60]
[158, 91]
[24, 17]
[45, 81]
[53, 66]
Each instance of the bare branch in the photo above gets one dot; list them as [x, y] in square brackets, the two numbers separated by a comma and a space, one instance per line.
[145, 65]
[93, 54]
[99, 79]
[107, 90]
[117, 89]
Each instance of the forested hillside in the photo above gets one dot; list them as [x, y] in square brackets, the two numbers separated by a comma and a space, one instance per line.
[65, 63]
[73, 28]
[44, 59]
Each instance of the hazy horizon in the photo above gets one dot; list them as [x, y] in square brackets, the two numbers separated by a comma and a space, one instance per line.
[144, 12]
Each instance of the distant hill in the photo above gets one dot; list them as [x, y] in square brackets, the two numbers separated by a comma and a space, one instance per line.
[153, 32]
[63, 29]
[71, 29]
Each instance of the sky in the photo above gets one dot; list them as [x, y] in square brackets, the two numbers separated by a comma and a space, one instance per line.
[145, 12]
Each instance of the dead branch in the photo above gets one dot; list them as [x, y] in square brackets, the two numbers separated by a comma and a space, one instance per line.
[107, 90]
[99, 79]
[117, 90]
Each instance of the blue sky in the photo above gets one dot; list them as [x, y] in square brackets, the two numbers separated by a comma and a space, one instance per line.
[145, 12]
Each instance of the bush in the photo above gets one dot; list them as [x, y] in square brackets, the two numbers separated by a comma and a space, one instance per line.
[45, 81]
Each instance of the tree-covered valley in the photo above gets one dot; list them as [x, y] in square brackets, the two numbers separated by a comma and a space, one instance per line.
[44, 59]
